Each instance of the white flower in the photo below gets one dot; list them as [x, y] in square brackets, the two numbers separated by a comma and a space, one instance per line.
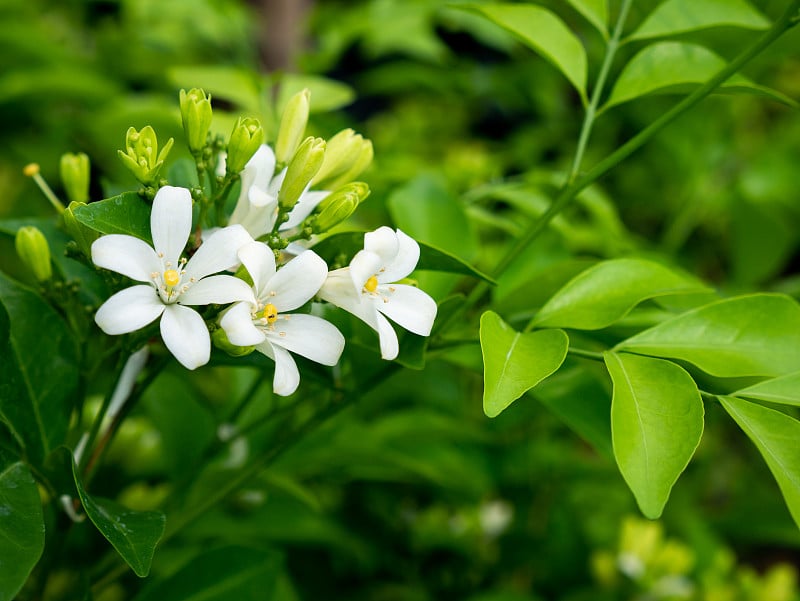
[257, 207]
[366, 288]
[266, 322]
[172, 282]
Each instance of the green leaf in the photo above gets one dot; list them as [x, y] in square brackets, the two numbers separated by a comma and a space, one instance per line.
[784, 390]
[669, 67]
[775, 434]
[751, 335]
[326, 94]
[220, 575]
[39, 370]
[606, 292]
[239, 86]
[594, 11]
[680, 16]
[656, 425]
[134, 534]
[123, 214]
[21, 526]
[515, 362]
[340, 248]
[543, 32]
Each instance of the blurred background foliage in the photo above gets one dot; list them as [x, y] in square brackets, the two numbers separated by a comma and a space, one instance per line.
[415, 494]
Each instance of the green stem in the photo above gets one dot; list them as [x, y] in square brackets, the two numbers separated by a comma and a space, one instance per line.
[579, 352]
[591, 110]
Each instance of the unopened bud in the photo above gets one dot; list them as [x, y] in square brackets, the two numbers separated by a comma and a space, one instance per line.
[33, 249]
[196, 118]
[246, 137]
[141, 154]
[338, 206]
[293, 126]
[220, 340]
[83, 235]
[75, 176]
[348, 154]
[304, 165]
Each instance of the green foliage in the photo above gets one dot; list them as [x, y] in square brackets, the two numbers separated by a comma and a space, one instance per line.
[123, 214]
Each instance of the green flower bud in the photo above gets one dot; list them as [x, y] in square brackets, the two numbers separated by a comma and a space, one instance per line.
[293, 125]
[82, 234]
[338, 206]
[196, 118]
[141, 154]
[348, 154]
[220, 340]
[75, 176]
[304, 165]
[33, 249]
[246, 137]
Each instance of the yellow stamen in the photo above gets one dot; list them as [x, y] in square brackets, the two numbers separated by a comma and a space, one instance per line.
[371, 285]
[31, 169]
[270, 313]
[171, 278]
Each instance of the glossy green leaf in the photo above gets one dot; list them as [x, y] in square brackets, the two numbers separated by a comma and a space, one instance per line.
[680, 16]
[21, 525]
[594, 11]
[515, 362]
[340, 248]
[39, 370]
[134, 534]
[220, 575]
[123, 214]
[775, 434]
[668, 67]
[543, 32]
[784, 390]
[752, 335]
[656, 425]
[606, 292]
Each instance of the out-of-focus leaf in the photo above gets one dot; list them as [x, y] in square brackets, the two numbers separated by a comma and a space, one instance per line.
[515, 362]
[752, 335]
[606, 292]
[667, 67]
[123, 214]
[38, 372]
[594, 11]
[775, 434]
[679, 16]
[33, 84]
[543, 32]
[219, 575]
[656, 425]
[134, 534]
[326, 94]
[21, 525]
[233, 84]
[784, 390]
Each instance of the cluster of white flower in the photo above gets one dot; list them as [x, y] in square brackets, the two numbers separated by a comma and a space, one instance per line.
[259, 315]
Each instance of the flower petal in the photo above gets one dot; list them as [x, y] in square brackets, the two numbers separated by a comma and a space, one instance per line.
[171, 222]
[126, 255]
[307, 202]
[287, 378]
[409, 307]
[259, 261]
[363, 266]
[220, 289]
[129, 310]
[390, 348]
[338, 290]
[382, 242]
[404, 262]
[309, 336]
[296, 282]
[239, 328]
[218, 253]
[186, 336]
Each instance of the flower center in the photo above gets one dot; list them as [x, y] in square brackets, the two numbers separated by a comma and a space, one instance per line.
[171, 278]
[270, 313]
[372, 284]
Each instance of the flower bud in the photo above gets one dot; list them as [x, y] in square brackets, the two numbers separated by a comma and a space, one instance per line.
[246, 137]
[304, 165]
[220, 340]
[75, 176]
[33, 249]
[348, 154]
[82, 234]
[293, 125]
[338, 206]
[141, 154]
[196, 118]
